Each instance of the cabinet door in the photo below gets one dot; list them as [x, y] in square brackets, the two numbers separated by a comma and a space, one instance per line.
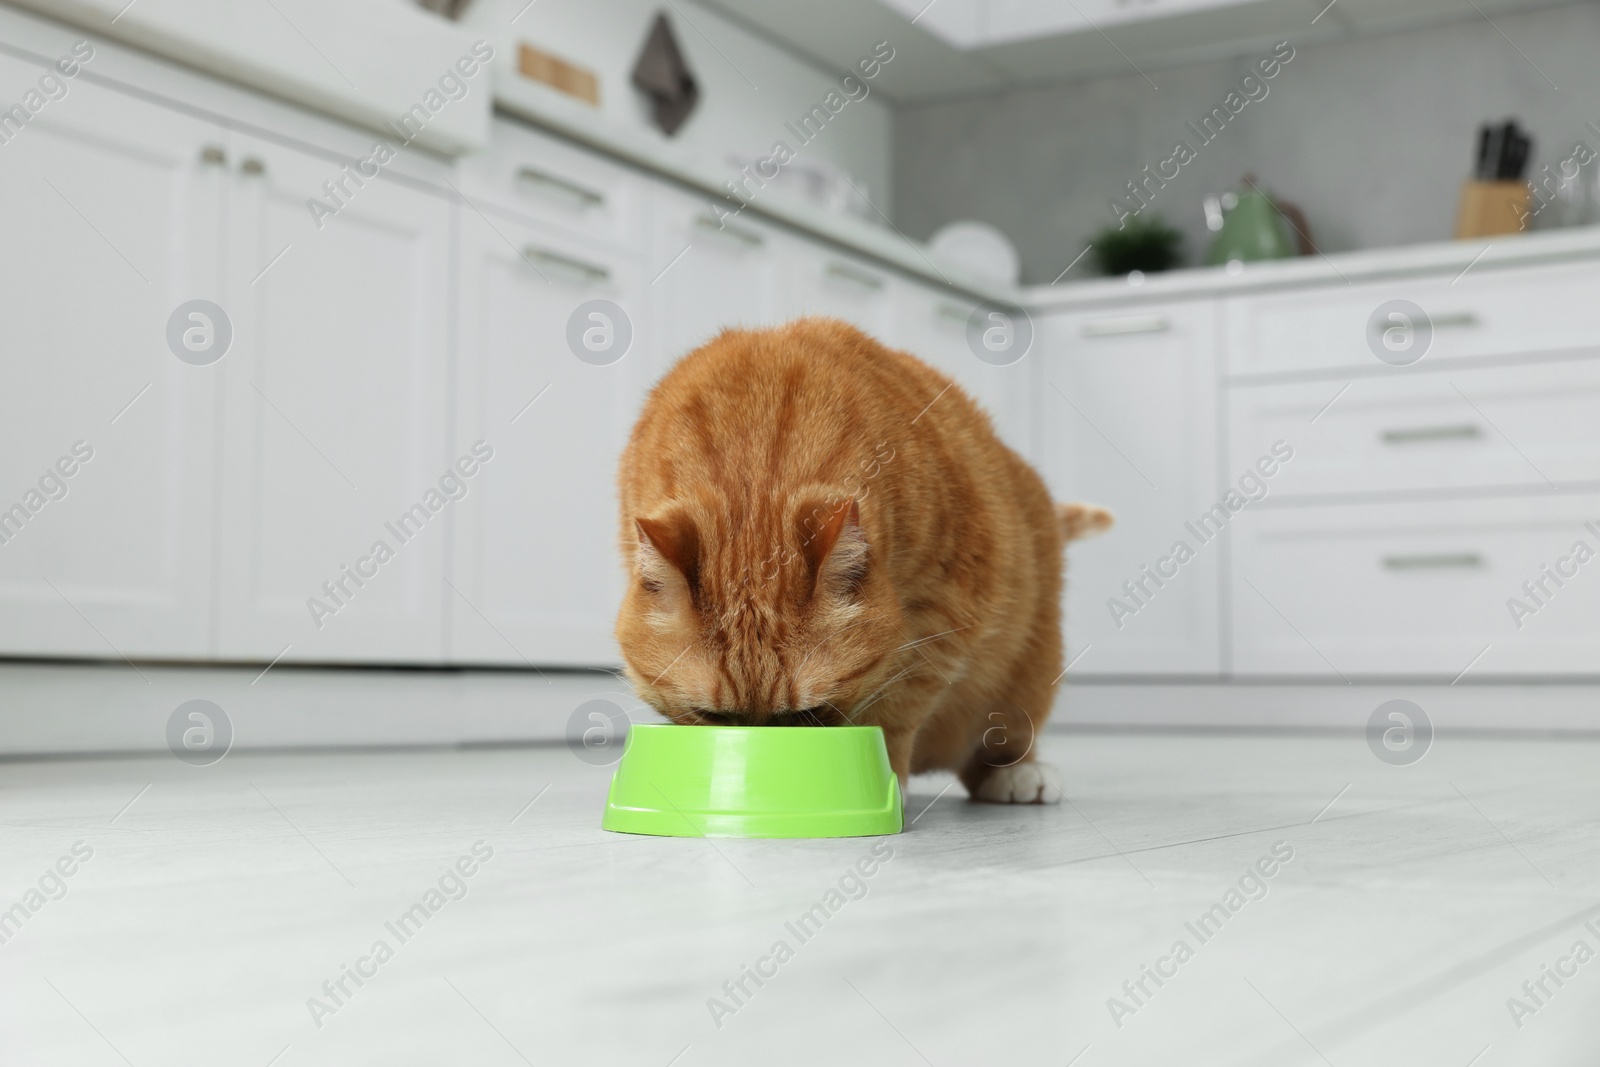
[1125, 417]
[708, 274]
[110, 225]
[932, 326]
[536, 574]
[818, 281]
[337, 406]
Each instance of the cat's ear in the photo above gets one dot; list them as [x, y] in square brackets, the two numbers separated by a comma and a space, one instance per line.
[836, 548]
[669, 551]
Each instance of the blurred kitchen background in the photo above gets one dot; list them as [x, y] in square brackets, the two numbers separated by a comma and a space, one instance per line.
[1305, 287]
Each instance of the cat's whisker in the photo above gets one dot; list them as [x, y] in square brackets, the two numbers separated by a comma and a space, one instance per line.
[878, 693]
[925, 640]
[824, 641]
[916, 646]
[808, 713]
[853, 622]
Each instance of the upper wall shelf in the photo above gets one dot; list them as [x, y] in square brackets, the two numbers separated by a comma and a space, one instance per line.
[372, 61]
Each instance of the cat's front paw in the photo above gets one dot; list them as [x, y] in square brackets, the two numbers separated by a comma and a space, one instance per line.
[1021, 783]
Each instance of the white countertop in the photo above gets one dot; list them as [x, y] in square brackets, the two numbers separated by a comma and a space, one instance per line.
[880, 242]
[892, 247]
[515, 96]
[1441, 257]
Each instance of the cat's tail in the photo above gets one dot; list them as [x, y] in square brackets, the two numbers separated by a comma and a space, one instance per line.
[1082, 520]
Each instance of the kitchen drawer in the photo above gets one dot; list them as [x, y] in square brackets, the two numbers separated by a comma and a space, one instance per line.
[1416, 589]
[1485, 428]
[549, 181]
[1484, 313]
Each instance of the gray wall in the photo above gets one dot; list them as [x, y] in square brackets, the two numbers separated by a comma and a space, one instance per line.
[1371, 137]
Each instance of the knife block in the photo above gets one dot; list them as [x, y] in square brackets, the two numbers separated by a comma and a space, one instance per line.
[1489, 209]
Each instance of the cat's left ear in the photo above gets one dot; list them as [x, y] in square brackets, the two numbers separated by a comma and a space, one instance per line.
[836, 548]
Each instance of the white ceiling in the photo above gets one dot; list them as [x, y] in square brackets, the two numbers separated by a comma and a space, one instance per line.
[955, 48]
[969, 24]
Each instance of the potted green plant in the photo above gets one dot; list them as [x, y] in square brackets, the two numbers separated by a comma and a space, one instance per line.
[1146, 243]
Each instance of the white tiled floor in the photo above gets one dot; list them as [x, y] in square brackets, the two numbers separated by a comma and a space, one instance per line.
[222, 898]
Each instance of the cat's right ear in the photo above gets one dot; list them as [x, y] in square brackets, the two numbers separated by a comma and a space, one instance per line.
[836, 549]
[668, 555]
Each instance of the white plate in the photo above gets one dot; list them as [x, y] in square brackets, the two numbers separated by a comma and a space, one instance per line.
[979, 248]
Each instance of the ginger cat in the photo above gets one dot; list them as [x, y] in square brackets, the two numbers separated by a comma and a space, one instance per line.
[822, 531]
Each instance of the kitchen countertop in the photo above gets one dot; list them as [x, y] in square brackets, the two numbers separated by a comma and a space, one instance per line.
[896, 249]
[1366, 265]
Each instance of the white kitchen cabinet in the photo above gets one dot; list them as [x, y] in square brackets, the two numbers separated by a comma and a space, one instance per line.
[1125, 417]
[336, 404]
[404, 372]
[931, 324]
[537, 574]
[111, 223]
[819, 281]
[707, 273]
[1418, 589]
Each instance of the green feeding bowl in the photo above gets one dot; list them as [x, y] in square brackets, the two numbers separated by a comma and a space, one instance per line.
[754, 781]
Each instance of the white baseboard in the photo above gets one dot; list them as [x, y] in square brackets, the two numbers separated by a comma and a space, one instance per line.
[1537, 707]
[63, 708]
[50, 708]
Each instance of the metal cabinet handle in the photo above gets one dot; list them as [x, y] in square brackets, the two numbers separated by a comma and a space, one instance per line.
[589, 272]
[948, 309]
[1467, 431]
[1465, 561]
[1455, 320]
[253, 167]
[214, 155]
[582, 193]
[855, 275]
[749, 238]
[1127, 324]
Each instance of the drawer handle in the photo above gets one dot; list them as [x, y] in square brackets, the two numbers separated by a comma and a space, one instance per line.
[948, 309]
[589, 272]
[1462, 561]
[748, 238]
[1462, 320]
[586, 196]
[1417, 434]
[854, 275]
[1129, 324]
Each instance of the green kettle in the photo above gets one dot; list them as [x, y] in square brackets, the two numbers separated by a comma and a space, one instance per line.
[1249, 226]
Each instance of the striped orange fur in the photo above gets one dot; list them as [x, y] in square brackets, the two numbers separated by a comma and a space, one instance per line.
[820, 530]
